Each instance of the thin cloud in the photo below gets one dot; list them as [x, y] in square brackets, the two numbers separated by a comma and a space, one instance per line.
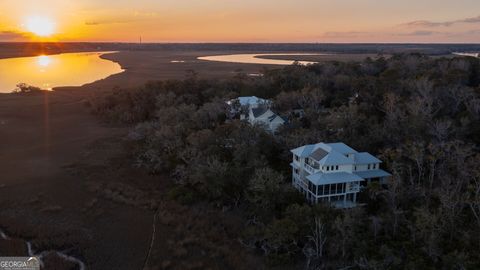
[127, 18]
[349, 34]
[111, 21]
[12, 35]
[430, 24]
[427, 24]
[472, 20]
[420, 33]
[382, 34]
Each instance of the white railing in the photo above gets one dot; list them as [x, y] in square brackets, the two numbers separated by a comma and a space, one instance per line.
[309, 168]
[352, 187]
[301, 181]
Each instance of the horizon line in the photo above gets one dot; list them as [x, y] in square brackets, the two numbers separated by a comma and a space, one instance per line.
[246, 43]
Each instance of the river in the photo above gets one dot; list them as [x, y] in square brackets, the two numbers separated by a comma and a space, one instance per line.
[50, 71]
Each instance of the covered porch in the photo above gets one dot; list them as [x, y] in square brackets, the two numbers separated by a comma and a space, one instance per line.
[339, 189]
[378, 175]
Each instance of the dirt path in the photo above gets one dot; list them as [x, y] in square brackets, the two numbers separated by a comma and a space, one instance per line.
[152, 242]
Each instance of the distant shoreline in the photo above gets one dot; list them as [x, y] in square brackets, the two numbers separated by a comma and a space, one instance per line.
[19, 49]
[6, 55]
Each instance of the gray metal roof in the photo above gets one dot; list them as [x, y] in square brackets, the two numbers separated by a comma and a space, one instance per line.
[336, 154]
[259, 111]
[335, 158]
[372, 174]
[303, 151]
[341, 148]
[365, 158]
[333, 178]
[273, 116]
[253, 100]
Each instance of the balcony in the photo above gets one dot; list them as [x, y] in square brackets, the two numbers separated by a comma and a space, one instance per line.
[311, 168]
[352, 187]
[301, 181]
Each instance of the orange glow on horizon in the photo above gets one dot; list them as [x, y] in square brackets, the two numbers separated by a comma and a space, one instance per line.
[240, 21]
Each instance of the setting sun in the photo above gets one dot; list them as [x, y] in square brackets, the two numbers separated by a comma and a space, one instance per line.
[40, 26]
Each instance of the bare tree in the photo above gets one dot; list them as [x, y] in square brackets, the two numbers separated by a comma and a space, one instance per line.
[318, 236]
[474, 201]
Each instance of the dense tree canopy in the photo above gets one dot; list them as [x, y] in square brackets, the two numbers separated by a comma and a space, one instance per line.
[421, 115]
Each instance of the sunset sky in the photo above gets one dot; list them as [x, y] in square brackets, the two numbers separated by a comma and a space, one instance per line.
[241, 20]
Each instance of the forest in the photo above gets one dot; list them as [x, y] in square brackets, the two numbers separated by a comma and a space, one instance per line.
[419, 114]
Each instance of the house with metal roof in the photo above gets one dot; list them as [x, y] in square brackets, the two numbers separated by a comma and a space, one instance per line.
[251, 102]
[334, 172]
[265, 117]
[239, 107]
[256, 111]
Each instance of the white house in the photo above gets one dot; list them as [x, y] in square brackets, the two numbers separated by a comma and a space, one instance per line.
[250, 102]
[334, 172]
[256, 111]
[241, 105]
[265, 117]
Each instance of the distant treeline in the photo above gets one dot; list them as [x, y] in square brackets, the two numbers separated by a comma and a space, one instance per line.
[431, 49]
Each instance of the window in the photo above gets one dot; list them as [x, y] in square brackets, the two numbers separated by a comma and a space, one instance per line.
[320, 190]
[296, 171]
[297, 158]
[311, 187]
[336, 168]
[334, 189]
[327, 190]
[355, 168]
[328, 168]
[368, 167]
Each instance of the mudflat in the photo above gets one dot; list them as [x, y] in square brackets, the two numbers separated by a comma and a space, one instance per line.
[58, 188]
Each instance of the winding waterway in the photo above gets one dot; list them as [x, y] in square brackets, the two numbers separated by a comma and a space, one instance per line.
[50, 71]
[43, 254]
[255, 58]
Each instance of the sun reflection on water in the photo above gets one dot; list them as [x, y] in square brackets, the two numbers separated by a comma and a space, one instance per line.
[44, 60]
[50, 71]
